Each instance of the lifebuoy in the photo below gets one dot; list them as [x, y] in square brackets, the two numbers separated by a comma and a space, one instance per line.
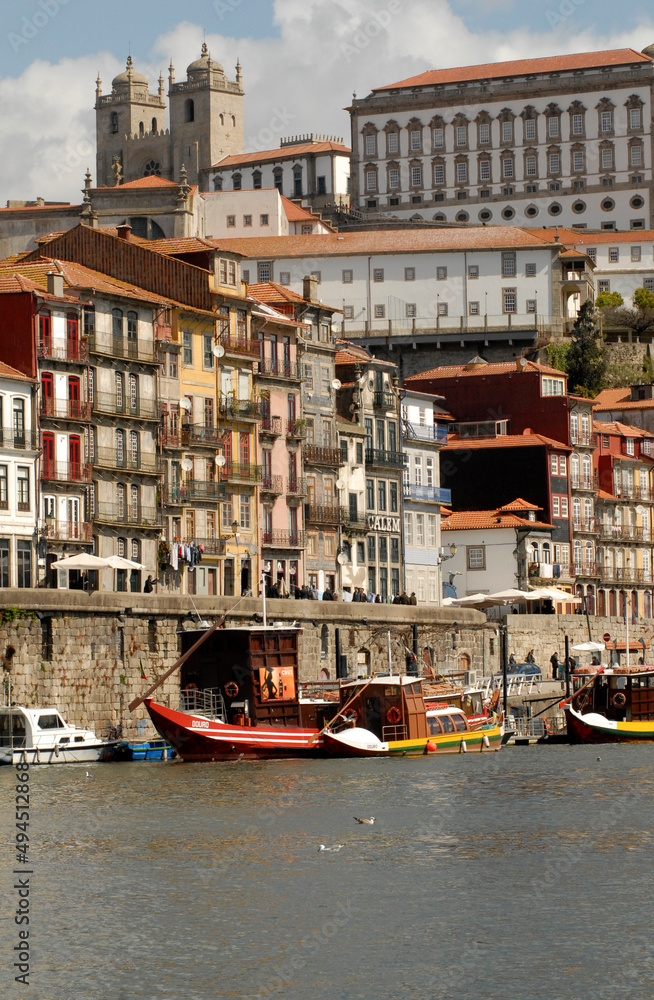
[619, 699]
[231, 689]
[393, 715]
[351, 715]
[583, 700]
[191, 687]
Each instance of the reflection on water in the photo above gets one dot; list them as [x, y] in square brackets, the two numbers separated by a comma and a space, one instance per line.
[520, 874]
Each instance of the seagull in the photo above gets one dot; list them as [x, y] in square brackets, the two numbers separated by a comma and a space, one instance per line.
[334, 848]
[368, 822]
[88, 774]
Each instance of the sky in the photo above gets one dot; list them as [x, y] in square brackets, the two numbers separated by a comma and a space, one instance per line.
[302, 61]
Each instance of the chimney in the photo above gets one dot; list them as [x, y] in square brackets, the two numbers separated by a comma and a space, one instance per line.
[123, 231]
[55, 284]
[309, 288]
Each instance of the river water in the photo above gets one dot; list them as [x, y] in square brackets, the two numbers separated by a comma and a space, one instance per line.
[522, 874]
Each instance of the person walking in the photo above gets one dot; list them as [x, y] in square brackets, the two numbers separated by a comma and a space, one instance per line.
[554, 660]
[413, 599]
[149, 585]
[356, 596]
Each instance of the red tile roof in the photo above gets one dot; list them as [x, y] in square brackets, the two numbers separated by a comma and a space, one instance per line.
[283, 153]
[173, 246]
[584, 237]
[619, 399]
[485, 519]
[142, 182]
[522, 67]
[624, 430]
[490, 368]
[57, 206]
[271, 292]
[34, 275]
[6, 371]
[295, 213]
[526, 440]
[519, 504]
[386, 241]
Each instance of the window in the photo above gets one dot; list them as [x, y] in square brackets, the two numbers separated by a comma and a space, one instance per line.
[473, 271]
[510, 299]
[439, 174]
[231, 221]
[24, 563]
[393, 178]
[420, 531]
[461, 172]
[372, 548]
[552, 386]
[244, 512]
[508, 265]
[441, 274]
[284, 277]
[607, 158]
[348, 312]
[408, 529]
[606, 121]
[578, 160]
[371, 145]
[381, 494]
[484, 132]
[187, 348]
[635, 253]
[431, 531]
[371, 180]
[370, 494]
[614, 255]
[564, 506]
[530, 306]
[630, 446]
[554, 163]
[577, 124]
[264, 271]
[415, 139]
[530, 166]
[247, 220]
[263, 219]
[530, 128]
[207, 355]
[484, 170]
[4, 492]
[438, 140]
[383, 549]
[392, 142]
[380, 312]
[603, 285]
[530, 270]
[563, 465]
[393, 505]
[416, 176]
[410, 308]
[476, 556]
[473, 308]
[636, 155]
[461, 133]
[23, 487]
[442, 309]
[507, 167]
[409, 274]
[378, 274]
[553, 127]
[507, 131]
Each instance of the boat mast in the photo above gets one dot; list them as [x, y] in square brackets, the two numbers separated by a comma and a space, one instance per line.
[626, 626]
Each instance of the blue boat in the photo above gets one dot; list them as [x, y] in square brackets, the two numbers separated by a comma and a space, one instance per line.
[156, 749]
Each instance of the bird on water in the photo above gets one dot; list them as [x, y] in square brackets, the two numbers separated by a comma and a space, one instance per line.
[368, 822]
[334, 848]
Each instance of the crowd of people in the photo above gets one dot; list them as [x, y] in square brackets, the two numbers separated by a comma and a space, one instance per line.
[357, 596]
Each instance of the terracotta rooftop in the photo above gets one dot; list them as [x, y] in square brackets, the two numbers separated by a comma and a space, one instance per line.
[489, 368]
[625, 430]
[153, 181]
[78, 276]
[351, 354]
[486, 519]
[295, 213]
[6, 371]
[271, 292]
[620, 399]
[173, 246]
[526, 440]
[12, 282]
[584, 237]
[53, 207]
[522, 67]
[519, 504]
[283, 153]
[387, 241]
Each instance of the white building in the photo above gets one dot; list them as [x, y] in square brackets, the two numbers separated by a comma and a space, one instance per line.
[424, 432]
[18, 479]
[490, 546]
[312, 167]
[257, 213]
[561, 138]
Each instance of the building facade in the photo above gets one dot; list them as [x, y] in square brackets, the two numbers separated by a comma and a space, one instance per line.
[561, 138]
[19, 497]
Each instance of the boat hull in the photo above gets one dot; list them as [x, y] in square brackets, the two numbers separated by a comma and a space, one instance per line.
[345, 744]
[55, 755]
[196, 738]
[595, 728]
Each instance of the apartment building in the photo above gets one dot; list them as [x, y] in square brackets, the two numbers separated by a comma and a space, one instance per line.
[562, 138]
[19, 550]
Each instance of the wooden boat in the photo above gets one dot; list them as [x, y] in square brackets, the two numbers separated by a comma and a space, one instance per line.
[41, 736]
[614, 705]
[240, 699]
[155, 749]
[386, 716]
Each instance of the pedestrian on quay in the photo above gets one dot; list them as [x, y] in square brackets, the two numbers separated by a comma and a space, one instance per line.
[149, 585]
[413, 599]
[530, 657]
[554, 660]
[364, 596]
[512, 659]
[327, 594]
[378, 599]
[356, 596]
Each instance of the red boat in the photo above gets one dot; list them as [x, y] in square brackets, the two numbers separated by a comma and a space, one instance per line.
[239, 699]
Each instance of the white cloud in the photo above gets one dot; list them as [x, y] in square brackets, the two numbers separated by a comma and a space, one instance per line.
[326, 49]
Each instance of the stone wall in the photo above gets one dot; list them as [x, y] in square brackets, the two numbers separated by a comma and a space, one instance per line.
[545, 634]
[83, 652]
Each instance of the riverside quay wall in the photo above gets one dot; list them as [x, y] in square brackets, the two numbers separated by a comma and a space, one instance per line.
[83, 653]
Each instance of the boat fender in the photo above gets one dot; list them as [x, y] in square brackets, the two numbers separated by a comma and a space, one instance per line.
[231, 689]
[393, 715]
[619, 700]
[464, 746]
[431, 747]
[485, 741]
[56, 749]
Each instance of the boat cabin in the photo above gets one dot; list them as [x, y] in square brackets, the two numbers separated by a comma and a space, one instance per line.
[249, 677]
[36, 727]
[447, 720]
[622, 694]
[391, 707]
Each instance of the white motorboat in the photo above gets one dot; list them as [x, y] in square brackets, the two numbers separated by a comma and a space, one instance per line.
[41, 736]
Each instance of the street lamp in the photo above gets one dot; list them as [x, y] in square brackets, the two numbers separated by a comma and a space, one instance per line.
[439, 562]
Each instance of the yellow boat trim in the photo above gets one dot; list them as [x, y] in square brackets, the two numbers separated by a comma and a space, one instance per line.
[447, 740]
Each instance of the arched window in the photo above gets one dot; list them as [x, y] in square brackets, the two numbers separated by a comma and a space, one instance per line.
[233, 122]
[120, 500]
[256, 180]
[324, 640]
[152, 168]
[113, 122]
[117, 324]
[189, 110]
[222, 119]
[154, 124]
[217, 183]
[587, 472]
[574, 428]
[141, 128]
[236, 181]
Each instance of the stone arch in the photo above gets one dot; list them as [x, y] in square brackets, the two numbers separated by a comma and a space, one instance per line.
[189, 110]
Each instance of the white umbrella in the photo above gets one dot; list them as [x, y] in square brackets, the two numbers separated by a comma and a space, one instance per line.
[510, 596]
[82, 561]
[472, 600]
[553, 594]
[589, 647]
[119, 562]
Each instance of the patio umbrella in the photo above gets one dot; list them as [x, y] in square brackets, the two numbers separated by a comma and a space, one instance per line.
[471, 601]
[119, 562]
[82, 561]
[589, 647]
[553, 594]
[510, 596]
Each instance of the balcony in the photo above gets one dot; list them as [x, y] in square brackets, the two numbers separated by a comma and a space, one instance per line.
[288, 370]
[65, 409]
[114, 513]
[19, 440]
[109, 458]
[240, 473]
[623, 492]
[624, 574]
[587, 568]
[430, 494]
[270, 427]
[212, 546]
[273, 485]
[193, 489]
[67, 531]
[587, 525]
[435, 432]
[66, 472]
[385, 459]
[140, 409]
[242, 346]
[317, 513]
[199, 434]
[384, 400]
[239, 409]
[296, 429]
[584, 440]
[132, 350]
[77, 352]
[623, 532]
[170, 438]
[283, 539]
[355, 525]
[585, 482]
[316, 455]
[296, 488]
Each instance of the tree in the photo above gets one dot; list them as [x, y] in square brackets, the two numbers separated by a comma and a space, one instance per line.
[638, 320]
[557, 355]
[643, 298]
[586, 361]
[609, 300]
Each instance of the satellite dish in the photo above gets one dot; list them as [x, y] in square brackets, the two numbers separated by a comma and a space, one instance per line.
[187, 464]
[218, 351]
[522, 362]
[336, 383]
[220, 461]
[340, 559]
[339, 484]
[186, 404]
